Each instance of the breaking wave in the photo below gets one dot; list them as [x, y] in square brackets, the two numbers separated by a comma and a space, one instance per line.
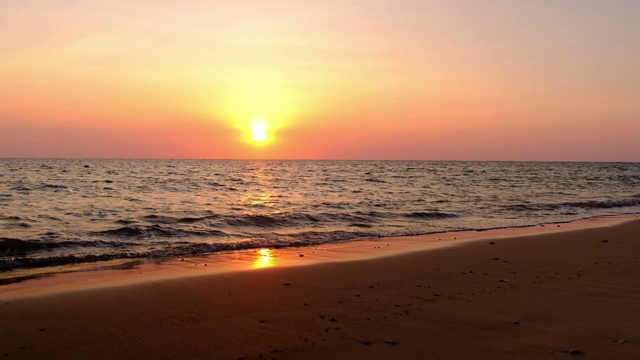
[608, 204]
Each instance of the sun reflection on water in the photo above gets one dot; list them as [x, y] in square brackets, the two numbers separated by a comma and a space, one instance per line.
[265, 259]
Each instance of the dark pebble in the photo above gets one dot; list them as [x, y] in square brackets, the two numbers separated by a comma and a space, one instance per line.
[575, 352]
[286, 284]
[605, 241]
[492, 243]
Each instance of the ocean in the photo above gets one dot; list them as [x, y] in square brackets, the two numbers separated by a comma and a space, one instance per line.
[70, 211]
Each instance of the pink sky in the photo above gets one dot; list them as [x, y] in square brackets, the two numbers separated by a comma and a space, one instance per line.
[433, 80]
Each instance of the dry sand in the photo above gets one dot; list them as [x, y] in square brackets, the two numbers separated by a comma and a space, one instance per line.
[527, 297]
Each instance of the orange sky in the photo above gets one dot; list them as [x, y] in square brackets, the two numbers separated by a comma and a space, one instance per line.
[433, 80]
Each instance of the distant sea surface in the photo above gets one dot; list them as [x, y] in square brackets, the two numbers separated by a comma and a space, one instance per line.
[55, 212]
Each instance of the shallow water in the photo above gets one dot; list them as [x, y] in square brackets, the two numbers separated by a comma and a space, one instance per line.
[69, 211]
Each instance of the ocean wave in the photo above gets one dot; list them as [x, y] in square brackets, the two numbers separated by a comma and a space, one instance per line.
[20, 188]
[156, 231]
[53, 186]
[576, 204]
[604, 204]
[324, 237]
[11, 218]
[161, 219]
[10, 246]
[375, 214]
[271, 221]
[16, 252]
[26, 262]
[19, 247]
[430, 215]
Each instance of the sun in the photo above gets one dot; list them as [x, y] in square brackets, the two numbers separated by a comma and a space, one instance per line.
[259, 132]
[258, 127]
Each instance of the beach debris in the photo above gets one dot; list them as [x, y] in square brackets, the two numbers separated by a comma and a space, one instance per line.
[492, 243]
[605, 241]
[503, 280]
[86, 166]
[621, 341]
[333, 319]
[301, 255]
[366, 342]
[575, 352]
[286, 284]
[392, 342]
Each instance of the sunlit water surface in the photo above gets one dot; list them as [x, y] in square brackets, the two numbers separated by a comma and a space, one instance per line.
[71, 211]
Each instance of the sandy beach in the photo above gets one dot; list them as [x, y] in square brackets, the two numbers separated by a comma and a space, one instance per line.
[559, 291]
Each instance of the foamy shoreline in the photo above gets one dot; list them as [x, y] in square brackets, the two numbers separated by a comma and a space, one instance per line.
[60, 279]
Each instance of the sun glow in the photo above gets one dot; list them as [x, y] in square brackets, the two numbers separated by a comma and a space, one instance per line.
[259, 133]
[259, 128]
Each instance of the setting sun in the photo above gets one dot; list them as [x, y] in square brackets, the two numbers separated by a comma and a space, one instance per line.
[258, 128]
[259, 133]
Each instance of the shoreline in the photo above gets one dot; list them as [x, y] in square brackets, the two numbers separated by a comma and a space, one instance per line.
[551, 292]
[122, 272]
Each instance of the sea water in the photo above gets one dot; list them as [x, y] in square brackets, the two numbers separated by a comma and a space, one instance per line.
[63, 211]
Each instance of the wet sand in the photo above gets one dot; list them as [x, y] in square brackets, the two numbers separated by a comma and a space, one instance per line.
[518, 293]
